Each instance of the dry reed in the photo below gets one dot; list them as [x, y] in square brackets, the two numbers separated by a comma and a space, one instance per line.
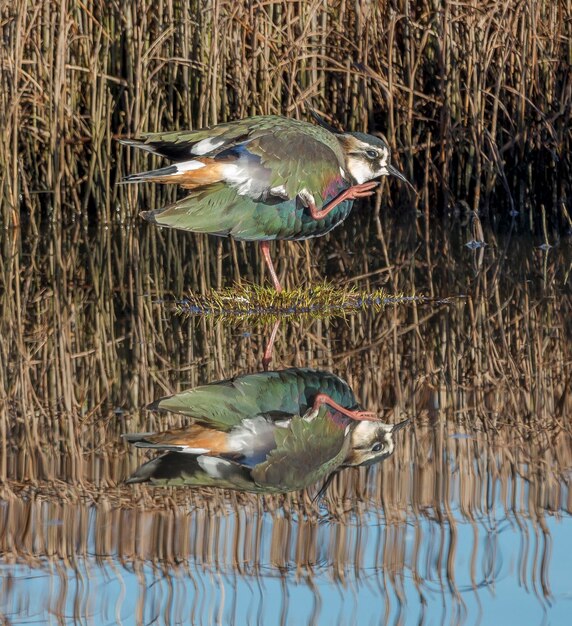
[475, 98]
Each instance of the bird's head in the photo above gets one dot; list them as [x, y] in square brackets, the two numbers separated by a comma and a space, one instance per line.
[372, 442]
[367, 157]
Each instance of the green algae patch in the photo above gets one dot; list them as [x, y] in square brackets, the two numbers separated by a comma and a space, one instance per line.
[322, 300]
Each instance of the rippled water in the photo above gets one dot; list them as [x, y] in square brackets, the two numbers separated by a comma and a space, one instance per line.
[467, 522]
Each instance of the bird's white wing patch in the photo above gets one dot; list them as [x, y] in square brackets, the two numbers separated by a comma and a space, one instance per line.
[189, 450]
[279, 191]
[310, 414]
[213, 466]
[306, 197]
[207, 145]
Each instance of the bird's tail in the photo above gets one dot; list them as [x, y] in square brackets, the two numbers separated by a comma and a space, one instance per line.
[162, 175]
[193, 439]
[191, 174]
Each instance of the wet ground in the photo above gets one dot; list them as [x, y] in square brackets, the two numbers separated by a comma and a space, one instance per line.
[466, 522]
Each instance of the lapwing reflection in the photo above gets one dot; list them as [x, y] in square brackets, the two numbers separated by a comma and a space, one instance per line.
[267, 432]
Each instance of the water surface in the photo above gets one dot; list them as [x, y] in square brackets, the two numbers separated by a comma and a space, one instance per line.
[468, 522]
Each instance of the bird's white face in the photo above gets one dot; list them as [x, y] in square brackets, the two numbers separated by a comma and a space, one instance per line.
[366, 162]
[372, 442]
[367, 157]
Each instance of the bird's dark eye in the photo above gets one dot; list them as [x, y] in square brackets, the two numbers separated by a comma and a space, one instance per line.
[371, 154]
[377, 447]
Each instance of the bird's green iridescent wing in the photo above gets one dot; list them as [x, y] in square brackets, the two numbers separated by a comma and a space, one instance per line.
[299, 155]
[288, 392]
[306, 452]
[291, 154]
[178, 143]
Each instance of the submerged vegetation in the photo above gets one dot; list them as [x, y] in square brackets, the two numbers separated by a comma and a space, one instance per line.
[474, 98]
[252, 302]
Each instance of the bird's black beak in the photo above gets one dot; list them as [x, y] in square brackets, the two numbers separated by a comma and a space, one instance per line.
[397, 427]
[393, 171]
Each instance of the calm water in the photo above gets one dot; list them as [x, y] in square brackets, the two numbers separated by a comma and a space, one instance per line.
[467, 522]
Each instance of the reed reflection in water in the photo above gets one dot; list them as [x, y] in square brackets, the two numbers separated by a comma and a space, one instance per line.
[467, 522]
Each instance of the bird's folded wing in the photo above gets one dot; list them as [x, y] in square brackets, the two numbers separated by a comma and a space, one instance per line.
[175, 469]
[305, 452]
[300, 158]
[226, 403]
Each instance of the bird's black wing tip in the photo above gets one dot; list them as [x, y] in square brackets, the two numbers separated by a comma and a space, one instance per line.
[133, 480]
[149, 216]
[156, 404]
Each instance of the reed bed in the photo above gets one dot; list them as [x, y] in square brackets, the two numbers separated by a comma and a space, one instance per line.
[475, 98]
[87, 338]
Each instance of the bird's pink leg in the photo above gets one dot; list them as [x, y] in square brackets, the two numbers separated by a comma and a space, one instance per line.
[265, 247]
[324, 398]
[267, 357]
[353, 193]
